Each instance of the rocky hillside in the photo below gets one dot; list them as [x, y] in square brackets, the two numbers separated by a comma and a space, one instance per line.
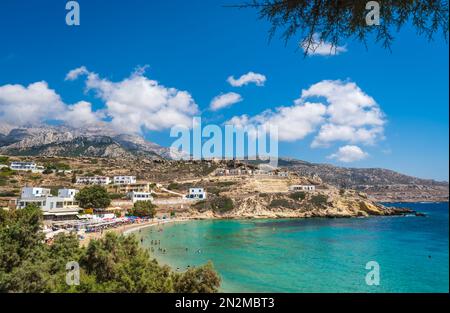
[70, 142]
[381, 184]
[61, 141]
[245, 199]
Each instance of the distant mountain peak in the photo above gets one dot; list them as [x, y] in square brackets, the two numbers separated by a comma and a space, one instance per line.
[67, 141]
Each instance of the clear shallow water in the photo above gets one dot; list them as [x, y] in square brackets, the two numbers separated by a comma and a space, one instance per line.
[315, 255]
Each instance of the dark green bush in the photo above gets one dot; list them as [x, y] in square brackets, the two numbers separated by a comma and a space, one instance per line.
[319, 200]
[299, 195]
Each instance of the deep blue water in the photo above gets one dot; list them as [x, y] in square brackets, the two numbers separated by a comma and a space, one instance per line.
[316, 255]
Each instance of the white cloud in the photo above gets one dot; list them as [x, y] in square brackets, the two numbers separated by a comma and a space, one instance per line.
[225, 100]
[293, 123]
[336, 110]
[248, 78]
[138, 102]
[81, 115]
[322, 48]
[349, 154]
[20, 105]
[37, 103]
[75, 73]
[130, 105]
[352, 115]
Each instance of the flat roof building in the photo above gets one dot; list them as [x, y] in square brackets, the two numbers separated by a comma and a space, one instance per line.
[93, 180]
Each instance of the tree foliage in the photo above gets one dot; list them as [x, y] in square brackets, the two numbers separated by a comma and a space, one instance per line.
[114, 263]
[198, 280]
[143, 209]
[337, 20]
[93, 197]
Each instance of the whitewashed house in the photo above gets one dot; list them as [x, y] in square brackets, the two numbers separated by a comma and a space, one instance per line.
[140, 196]
[196, 194]
[64, 206]
[302, 188]
[124, 180]
[26, 166]
[67, 193]
[93, 180]
[35, 192]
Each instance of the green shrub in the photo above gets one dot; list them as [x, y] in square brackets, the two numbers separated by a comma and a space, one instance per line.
[47, 171]
[173, 186]
[143, 209]
[6, 171]
[218, 204]
[4, 159]
[98, 172]
[226, 183]
[222, 204]
[35, 177]
[280, 203]
[93, 197]
[114, 196]
[299, 195]
[214, 190]
[8, 194]
[319, 200]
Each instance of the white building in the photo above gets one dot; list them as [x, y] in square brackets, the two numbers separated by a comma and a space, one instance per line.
[93, 180]
[35, 192]
[62, 207]
[67, 193]
[124, 180]
[196, 194]
[302, 188]
[26, 166]
[140, 196]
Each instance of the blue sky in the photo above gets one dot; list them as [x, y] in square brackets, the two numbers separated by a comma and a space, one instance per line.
[194, 46]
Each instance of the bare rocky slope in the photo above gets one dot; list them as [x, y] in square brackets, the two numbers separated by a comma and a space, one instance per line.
[80, 142]
[255, 198]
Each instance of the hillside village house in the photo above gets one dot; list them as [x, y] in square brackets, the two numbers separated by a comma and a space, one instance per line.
[67, 193]
[302, 188]
[35, 192]
[196, 194]
[140, 196]
[26, 166]
[124, 180]
[125, 189]
[233, 172]
[62, 207]
[93, 180]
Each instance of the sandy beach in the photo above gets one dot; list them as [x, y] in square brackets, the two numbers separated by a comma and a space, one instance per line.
[127, 229]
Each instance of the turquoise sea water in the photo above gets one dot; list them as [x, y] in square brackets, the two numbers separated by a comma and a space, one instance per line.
[315, 255]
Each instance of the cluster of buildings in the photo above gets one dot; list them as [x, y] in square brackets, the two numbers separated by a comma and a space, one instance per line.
[105, 180]
[249, 172]
[26, 166]
[196, 193]
[62, 206]
[302, 188]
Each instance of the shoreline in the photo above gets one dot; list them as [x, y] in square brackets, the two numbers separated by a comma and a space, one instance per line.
[151, 224]
[127, 229]
[132, 228]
